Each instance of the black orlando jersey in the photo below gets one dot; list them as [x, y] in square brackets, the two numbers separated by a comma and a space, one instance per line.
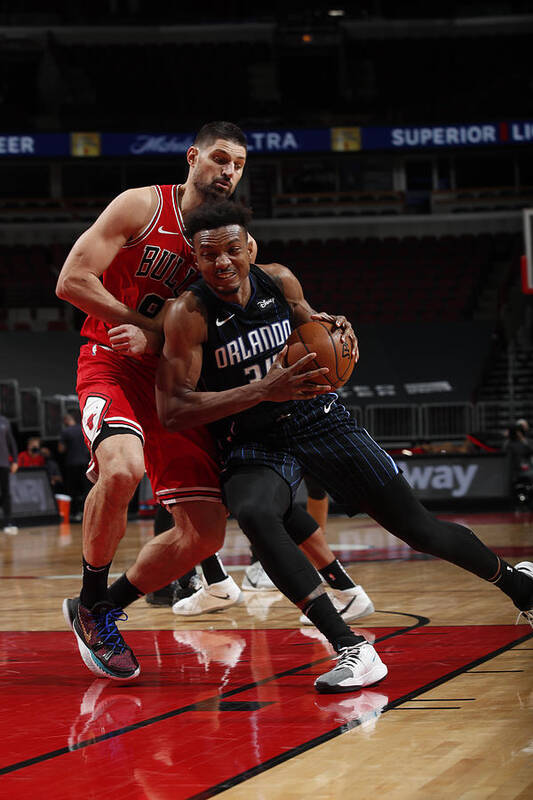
[241, 345]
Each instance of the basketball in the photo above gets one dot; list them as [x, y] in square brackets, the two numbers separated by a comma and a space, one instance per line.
[324, 339]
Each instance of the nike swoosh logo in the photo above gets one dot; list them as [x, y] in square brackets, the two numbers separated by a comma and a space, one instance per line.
[220, 322]
[221, 596]
[171, 233]
[327, 407]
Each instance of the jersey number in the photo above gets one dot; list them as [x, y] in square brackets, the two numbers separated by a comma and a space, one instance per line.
[254, 373]
[151, 305]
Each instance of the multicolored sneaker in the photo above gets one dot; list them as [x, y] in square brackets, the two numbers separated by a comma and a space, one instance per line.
[100, 643]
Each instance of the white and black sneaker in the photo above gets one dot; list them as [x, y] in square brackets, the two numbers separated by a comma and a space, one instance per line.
[211, 597]
[357, 666]
[256, 580]
[527, 568]
[351, 604]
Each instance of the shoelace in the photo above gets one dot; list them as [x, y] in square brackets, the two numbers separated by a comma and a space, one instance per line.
[349, 656]
[528, 616]
[108, 631]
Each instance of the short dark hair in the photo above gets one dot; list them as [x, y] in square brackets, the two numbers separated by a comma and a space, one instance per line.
[220, 130]
[209, 216]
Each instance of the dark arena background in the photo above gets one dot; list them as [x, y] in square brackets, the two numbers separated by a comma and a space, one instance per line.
[390, 166]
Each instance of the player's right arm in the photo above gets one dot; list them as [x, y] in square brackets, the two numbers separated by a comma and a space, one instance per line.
[181, 405]
[79, 280]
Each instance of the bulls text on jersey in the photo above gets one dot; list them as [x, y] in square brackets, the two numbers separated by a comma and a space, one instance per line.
[162, 265]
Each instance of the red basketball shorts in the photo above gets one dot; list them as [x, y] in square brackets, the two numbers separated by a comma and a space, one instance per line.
[117, 395]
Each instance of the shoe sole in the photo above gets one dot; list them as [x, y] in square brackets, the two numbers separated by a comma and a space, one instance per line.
[66, 613]
[367, 610]
[158, 601]
[223, 604]
[251, 588]
[375, 675]
[88, 657]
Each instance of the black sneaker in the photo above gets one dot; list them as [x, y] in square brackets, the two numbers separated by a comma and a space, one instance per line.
[100, 643]
[164, 596]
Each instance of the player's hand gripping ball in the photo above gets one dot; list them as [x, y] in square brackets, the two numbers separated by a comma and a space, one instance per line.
[324, 339]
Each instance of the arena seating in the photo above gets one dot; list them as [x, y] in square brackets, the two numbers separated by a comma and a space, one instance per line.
[409, 279]
[369, 280]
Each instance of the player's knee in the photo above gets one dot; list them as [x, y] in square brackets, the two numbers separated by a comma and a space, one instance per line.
[203, 525]
[123, 476]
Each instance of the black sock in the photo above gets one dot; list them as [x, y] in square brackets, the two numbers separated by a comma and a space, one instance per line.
[324, 617]
[163, 522]
[122, 593]
[184, 580]
[94, 586]
[213, 570]
[515, 584]
[335, 575]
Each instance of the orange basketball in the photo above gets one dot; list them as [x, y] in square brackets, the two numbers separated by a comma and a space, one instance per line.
[323, 339]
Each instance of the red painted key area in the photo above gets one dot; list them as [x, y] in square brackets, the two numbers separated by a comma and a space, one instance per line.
[209, 709]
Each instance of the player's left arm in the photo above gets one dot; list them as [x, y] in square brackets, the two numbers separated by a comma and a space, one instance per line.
[301, 309]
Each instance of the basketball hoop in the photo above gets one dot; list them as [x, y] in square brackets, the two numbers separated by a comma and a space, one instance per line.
[526, 261]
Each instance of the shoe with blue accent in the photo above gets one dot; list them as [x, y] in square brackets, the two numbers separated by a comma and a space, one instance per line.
[100, 643]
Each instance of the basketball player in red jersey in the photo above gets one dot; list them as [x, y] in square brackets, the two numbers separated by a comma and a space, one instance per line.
[139, 248]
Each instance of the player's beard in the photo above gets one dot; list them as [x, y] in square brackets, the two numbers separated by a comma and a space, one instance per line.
[210, 192]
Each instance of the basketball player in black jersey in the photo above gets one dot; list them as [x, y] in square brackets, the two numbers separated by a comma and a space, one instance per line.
[222, 365]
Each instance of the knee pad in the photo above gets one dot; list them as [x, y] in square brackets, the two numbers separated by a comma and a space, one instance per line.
[299, 524]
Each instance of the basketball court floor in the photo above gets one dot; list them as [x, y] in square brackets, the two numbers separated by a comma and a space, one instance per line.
[225, 703]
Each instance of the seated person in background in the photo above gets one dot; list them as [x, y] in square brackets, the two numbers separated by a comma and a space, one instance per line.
[8, 465]
[52, 468]
[31, 456]
[520, 451]
[523, 426]
[75, 462]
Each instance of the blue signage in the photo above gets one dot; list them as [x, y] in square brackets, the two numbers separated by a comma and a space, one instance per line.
[259, 141]
[145, 144]
[289, 141]
[431, 136]
[282, 140]
[34, 144]
[517, 132]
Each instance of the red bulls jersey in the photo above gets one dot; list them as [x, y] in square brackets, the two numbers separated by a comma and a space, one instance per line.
[151, 268]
